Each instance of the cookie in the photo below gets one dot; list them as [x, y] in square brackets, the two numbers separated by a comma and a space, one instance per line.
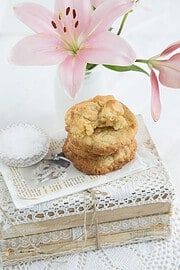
[101, 111]
[101, 125]
[84, 153]
[102, 165]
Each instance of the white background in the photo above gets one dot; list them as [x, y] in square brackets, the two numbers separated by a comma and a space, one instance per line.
[26, 93]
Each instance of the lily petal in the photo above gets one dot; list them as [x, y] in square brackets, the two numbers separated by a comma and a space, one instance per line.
[169, 71]
[106, 13]
[171, 48]
[155, 97]
[84, 11]
[61, 6]
[107, 48]
[79, 5]
[39, 49]
[72, 72]
[96, 3]
[35, 16]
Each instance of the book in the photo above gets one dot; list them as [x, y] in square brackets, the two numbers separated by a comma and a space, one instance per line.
[88, 237]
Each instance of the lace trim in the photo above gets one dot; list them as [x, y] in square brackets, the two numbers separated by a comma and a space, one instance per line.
[151, 255]
[77, 233]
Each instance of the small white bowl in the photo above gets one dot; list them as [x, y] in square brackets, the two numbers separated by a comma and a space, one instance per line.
[23, 145]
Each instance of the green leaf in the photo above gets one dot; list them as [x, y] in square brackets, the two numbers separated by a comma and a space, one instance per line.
[90, 66]
[126, 68]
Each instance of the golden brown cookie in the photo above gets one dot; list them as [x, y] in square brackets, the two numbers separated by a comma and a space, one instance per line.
[102, 165]
[84, 153]
[101, 111]
[101, 125]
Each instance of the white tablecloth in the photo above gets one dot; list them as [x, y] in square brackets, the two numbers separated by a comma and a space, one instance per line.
[26, 93]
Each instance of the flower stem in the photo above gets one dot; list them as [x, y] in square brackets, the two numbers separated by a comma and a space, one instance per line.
[145, 61]
[123, 22]
[126, 68]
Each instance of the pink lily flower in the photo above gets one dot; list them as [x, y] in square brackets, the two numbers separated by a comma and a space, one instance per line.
[171, 48]
[169, 75]
[72, 36]
[169, 69]
[155, 97]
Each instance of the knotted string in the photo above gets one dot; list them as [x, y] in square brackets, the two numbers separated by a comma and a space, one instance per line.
[94, 218]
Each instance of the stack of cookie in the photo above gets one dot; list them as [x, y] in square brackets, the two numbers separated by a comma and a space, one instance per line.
[101, 135]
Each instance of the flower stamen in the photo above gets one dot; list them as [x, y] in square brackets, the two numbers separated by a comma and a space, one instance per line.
[74, 13]
[67, 11]
[76, 24]
[54, 24]
[60, 15]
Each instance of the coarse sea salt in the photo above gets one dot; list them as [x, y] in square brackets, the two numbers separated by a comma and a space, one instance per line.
[23, 144]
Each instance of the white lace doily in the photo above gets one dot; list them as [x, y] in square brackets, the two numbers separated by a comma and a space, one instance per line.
[152, 255]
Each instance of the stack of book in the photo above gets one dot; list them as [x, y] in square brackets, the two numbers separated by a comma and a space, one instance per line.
[131, 208]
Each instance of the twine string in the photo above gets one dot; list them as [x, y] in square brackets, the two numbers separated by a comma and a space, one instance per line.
[54, 251]
[94, 218]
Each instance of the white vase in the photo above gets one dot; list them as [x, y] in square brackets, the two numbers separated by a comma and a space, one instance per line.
[94, 84]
